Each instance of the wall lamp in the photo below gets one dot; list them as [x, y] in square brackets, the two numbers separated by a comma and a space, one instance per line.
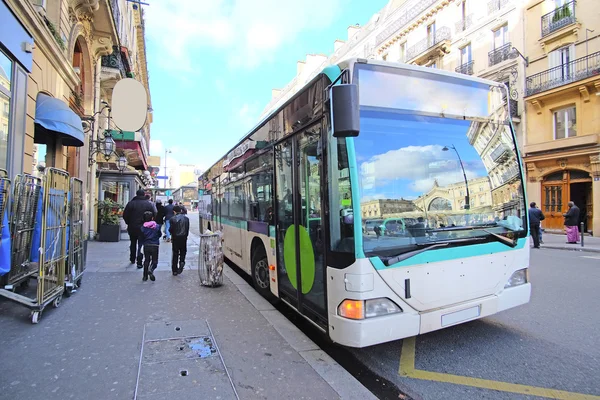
[105, 144]
[514, 53]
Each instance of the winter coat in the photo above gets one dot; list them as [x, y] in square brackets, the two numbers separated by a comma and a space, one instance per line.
[133, 215]
[180, 226]
[151, 234]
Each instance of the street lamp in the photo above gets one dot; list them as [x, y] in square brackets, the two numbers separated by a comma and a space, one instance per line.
[166, 151]
[467, 197]
[514, 53]
[122, 163]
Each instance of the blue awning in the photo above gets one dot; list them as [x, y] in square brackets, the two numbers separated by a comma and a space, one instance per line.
[54, 117]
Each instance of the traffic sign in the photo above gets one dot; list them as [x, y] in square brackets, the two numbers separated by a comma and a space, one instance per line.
[162, 177]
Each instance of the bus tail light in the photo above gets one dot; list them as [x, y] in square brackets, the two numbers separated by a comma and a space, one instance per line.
[361, 309]
[519, 277]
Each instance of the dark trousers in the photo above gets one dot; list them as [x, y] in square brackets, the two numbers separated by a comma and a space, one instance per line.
[150, 258]
[135, 247]
[179, 251]
[534, 229]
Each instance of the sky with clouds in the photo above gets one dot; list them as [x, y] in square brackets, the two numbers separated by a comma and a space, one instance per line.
[212, 64]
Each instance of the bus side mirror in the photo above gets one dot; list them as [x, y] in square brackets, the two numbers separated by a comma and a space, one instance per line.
[344, 108]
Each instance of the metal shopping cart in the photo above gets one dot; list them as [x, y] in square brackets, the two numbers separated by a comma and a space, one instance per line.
[75, 264]
[49, 239]
[24, 206]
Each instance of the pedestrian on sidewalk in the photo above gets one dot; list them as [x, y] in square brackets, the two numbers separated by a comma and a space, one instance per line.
[180, 229]
[133, 215]
[151, 239]
[535, 217]
[160, 214]
[571, 222]
[183, 209]
[168, 215]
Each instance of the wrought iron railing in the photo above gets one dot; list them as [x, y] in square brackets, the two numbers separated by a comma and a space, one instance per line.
[404, 17]
[573, 71]
[513, 108]
[510, 173]
[464, 24]
[426, 43]
[466, 68]
[115, 61]
[500, 153]
[559, 18]
[116, 12]
[496, 5]
[500, 54]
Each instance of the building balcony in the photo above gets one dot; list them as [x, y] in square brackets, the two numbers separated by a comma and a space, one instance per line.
[466, 68]
[113, 64]
[559, 18]
[500, 153]
[574, 71]
[510, 174]
[405, 16]
[435, 45]
[464, 24]
[500, 54]
[496, 5]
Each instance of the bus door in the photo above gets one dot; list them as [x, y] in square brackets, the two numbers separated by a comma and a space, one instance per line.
[300, 245]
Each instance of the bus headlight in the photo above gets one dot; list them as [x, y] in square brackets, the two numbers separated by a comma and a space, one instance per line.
[519, 277]
[361, 309]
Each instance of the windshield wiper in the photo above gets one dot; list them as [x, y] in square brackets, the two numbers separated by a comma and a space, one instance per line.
[501, 239]
[425, 247]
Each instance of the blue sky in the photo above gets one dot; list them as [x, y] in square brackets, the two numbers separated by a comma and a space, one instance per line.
[212, 64]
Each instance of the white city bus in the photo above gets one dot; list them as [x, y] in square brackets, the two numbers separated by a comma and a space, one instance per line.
[370, 140]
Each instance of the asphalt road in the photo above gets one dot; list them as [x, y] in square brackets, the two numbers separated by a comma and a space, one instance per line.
[549, 348]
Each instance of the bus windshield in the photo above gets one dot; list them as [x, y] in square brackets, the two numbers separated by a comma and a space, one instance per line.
[436, 159]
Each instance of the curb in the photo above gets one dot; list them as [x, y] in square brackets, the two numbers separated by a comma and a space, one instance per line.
[582, 249]
[340, 380]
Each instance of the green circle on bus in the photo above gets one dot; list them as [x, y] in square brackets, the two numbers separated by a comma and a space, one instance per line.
[307, 258]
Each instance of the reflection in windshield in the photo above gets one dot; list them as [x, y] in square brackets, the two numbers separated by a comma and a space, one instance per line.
[427, 179]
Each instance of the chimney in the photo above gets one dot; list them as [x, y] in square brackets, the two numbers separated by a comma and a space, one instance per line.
[300, 67]
[353, 30]
[338, 44]
[275, 93]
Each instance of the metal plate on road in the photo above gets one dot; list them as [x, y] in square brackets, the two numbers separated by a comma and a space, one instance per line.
[460, 316]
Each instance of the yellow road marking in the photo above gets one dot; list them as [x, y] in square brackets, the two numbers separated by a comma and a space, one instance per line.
[407, 369]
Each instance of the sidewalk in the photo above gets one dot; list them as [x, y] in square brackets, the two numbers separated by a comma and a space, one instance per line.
[121, 338]
[558, 241]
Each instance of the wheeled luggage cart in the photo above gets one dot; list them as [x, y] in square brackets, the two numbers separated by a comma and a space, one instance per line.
[24, 205]
[210, 260]
[52, 230]
[75, 263]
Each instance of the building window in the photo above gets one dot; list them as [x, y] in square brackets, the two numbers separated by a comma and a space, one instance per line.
[465, 55]
[500, 37]
[565, 123]
[5, 100]
[560, 63]
[430, 35]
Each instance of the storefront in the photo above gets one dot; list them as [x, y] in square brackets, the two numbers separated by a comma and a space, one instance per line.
[16, 46]
[119, 187]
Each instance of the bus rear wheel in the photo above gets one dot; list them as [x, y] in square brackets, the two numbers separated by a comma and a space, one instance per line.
[260, 273]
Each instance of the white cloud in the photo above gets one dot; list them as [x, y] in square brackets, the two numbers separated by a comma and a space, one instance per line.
[421, 165]
[248, 31]
[156, 147]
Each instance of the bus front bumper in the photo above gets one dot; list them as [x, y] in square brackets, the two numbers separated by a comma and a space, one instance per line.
[377, 330]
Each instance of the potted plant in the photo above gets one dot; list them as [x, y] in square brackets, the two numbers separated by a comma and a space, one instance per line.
[109, 229]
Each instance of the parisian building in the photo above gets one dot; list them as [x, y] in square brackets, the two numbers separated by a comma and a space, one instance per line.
[58, 58]
[562, 93]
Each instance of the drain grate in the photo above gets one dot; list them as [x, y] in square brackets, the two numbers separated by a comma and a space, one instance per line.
[186, 353]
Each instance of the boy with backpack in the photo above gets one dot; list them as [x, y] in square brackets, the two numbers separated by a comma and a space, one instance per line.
[151, 240]
[179, 229]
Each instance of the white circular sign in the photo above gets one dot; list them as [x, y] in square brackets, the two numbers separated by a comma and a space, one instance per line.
[129, 105]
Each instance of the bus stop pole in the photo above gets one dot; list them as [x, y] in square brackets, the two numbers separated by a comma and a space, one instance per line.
[582, 234]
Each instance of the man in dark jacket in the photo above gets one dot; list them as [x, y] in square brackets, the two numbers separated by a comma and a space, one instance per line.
[133, 215]
[160, 213]
[180, 229]
[168, 215]
[535, 217]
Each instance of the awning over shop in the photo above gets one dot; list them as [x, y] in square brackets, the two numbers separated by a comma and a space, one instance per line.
[54, 117]
[133, 145]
